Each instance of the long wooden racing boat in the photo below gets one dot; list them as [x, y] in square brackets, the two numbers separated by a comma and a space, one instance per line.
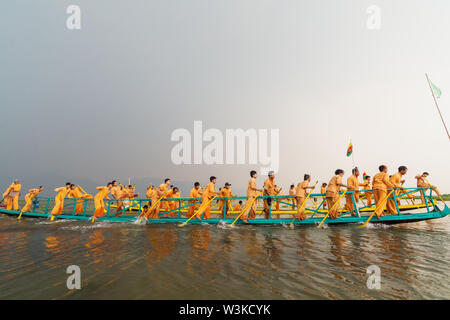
[179, 206]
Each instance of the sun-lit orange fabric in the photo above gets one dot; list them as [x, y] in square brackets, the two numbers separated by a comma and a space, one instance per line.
[323, 190]
[32, 193]
[98, 201]
[207, 195]
[226, 192]
[381, 182]
[59, 200]
[76, 193]
[333, 186]
[269, 190]
[195, 193]
[396, 181]
[11, 197]
[250, 210]
[237, 207]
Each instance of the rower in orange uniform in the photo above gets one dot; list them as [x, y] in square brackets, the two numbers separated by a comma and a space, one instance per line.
[75, 192]
[353, 185]
[252, 193]
[208, 194]
[11, 196]
[98, 200]
[226, 192]
[422, 183]
[380, 185]
[366, 189]
[396, 180]
[164, 188]
[173, 205]
[196, 192]
[292, 193]
[238, 206]
[149, 194]
[160, 192]
[59, 199]
[332, 193]
[270, 191]
[323, 190]
[32, 193]
[300, 196]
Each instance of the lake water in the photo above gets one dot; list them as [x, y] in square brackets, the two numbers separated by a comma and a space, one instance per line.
[129, 261]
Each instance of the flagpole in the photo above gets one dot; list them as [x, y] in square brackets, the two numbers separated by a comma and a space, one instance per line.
[437, 106]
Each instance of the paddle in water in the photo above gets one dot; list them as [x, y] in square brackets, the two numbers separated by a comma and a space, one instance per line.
[337, 201]
[291, 225]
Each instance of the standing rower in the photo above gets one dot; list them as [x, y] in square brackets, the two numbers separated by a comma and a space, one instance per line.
[32, 193]
[366, 189]
[98, 200]
[353, 185]
[292, 193]
[59, 199]
[208, 194]
[396, 180]
[323, 190]
[11, 196]
[332, 193]
[300, 195]
[380, 185]
[252, 192]
[226, 192]
[270, 191]
[196, 192]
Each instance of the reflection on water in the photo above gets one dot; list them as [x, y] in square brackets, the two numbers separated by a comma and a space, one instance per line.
[129, 261]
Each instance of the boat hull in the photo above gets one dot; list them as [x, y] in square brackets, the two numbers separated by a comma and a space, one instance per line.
[389, 219]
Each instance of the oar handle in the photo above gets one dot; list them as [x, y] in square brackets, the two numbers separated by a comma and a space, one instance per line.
[381, 203]
[199, 209]
[247, 205]
[337, 201]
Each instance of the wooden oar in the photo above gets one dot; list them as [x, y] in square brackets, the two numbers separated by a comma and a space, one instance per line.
[381, 203]
[153, 205]
[20, 215]
[247, 205]
[337, 201]
[199, 209]
[291, 225]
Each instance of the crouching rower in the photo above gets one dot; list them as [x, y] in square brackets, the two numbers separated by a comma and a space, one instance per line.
[75, 192]
[29, 197]
[422, 183]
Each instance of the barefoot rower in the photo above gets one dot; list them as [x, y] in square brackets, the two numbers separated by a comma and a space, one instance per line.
[380, 185]
[332, 193]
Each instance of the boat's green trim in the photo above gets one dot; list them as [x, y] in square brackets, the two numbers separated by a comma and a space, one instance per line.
[389, 219]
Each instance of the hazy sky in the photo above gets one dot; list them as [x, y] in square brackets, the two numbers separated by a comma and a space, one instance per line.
[101, 102]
